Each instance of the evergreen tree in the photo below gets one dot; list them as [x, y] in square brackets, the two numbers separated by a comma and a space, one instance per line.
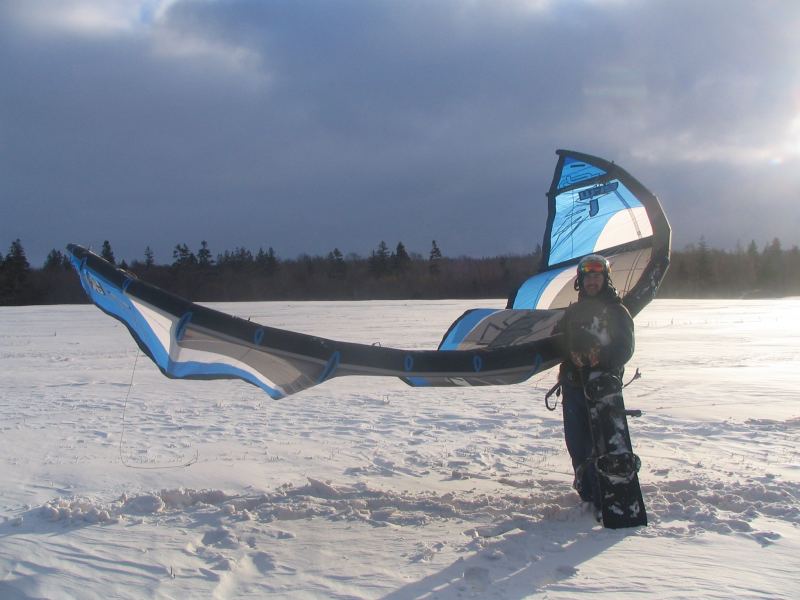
[400, 259]
[267, 261]
[204, 255]
[55, 261]
[241, 257]
[752, 251]
[182, 256]
[16, 262]
[434, 258]
[379, 260]
[771, 268]
[14, 276]
[106, 253]
[336, 266]
[148, 258]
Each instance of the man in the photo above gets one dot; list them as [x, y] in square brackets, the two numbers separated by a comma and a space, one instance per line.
[598, 338]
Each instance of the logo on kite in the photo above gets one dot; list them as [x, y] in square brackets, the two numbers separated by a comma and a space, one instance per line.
[94, 284]
[593, 195]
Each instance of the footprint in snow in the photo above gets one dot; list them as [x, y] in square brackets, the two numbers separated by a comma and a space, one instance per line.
[263, 562]
[221, 538]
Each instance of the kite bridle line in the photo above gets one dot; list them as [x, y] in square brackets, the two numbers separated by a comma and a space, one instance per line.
[188, 463]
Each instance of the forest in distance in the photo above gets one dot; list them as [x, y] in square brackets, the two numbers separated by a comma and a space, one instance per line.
[696, 271]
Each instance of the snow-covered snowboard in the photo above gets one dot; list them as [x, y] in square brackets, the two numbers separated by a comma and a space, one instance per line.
[616, 466]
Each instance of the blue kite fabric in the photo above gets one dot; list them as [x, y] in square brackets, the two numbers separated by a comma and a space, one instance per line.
[593, 207]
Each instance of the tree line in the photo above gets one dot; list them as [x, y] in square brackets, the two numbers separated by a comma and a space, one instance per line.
[697, 271]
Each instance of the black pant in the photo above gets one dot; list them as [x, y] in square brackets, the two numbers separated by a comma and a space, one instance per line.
[578, 435]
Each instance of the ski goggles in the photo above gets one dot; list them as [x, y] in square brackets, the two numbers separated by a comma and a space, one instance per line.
[593, 266]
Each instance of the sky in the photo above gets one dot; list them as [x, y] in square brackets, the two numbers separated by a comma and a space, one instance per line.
[306, 125]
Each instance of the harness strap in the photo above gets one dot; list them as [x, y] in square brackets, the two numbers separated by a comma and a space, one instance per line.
[556, 389]
[636, 376]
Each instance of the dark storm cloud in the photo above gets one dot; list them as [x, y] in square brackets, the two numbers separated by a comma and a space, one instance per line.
[309, 125]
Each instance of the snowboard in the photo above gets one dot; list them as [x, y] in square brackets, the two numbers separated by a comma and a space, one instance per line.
[616, 466]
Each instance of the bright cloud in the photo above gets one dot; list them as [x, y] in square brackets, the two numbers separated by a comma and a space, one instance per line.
[83, 17]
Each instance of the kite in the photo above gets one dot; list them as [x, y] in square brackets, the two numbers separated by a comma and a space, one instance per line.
[594, 207]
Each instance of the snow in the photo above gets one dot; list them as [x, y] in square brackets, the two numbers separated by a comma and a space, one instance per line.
[119, 483]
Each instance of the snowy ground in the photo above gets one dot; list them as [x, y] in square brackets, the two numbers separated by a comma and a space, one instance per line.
[366, 488]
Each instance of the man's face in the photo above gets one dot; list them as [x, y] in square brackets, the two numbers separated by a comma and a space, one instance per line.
[593, 283]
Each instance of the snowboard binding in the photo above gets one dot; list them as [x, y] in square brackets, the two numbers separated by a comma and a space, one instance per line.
[618, 468]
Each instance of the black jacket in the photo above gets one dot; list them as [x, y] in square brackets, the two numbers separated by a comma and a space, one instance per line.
[596, 329]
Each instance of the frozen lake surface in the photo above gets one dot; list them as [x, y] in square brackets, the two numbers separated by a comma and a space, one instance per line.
[119, 483]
